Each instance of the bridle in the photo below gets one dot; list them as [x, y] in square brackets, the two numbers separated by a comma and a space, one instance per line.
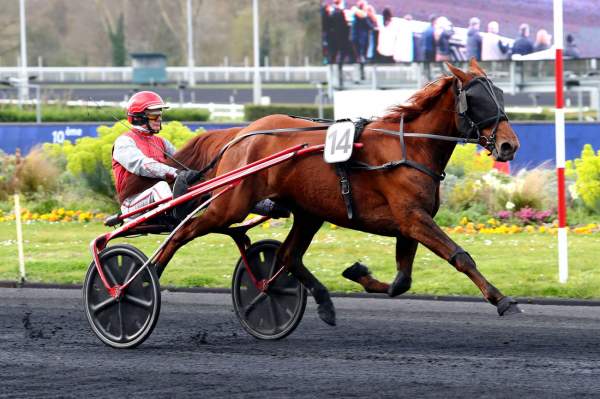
[479, 104]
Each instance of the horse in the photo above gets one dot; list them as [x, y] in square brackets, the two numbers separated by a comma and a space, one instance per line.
[398, 202]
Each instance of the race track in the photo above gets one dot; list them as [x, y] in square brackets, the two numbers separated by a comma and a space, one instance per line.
[380, 348]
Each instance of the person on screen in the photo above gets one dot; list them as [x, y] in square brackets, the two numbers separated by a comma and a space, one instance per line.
[493, 47]
[571, 49]
[338, 37]
[543, 40]
[386, 42]
[443, 31]
[523, 44]
[362, 26]
[428, 42]
[474, 39]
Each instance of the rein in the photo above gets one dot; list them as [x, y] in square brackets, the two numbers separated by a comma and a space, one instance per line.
[492, 105]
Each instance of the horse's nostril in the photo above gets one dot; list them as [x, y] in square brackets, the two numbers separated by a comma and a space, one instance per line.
[506, 148]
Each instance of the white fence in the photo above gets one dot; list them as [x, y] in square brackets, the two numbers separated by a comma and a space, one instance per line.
[305, 73]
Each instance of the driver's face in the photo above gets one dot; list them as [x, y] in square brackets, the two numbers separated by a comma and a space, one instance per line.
[154, 119]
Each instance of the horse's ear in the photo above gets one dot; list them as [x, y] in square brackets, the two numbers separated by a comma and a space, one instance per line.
[462, 76]
[475, 68]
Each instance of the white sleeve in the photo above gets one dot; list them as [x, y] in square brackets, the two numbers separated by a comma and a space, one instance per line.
[170, 148]
[134, 161]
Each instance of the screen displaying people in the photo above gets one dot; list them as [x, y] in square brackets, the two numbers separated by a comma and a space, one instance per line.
[388, 31]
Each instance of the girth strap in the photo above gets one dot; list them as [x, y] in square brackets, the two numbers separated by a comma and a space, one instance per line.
[341, 169]
[346, 189]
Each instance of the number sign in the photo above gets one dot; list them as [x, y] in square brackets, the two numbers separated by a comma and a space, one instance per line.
[339, 142]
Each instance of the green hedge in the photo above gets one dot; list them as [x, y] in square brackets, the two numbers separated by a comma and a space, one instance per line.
[254, 112]
[52, 113]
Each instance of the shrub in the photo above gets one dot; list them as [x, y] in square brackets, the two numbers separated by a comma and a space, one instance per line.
[7, 177]
[254, 112]
[34, 174]
[37, 173]
[466, 160]
[63, 113]
[587, 172]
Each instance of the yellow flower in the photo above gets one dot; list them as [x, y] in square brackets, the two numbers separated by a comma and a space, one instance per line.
[464, 221]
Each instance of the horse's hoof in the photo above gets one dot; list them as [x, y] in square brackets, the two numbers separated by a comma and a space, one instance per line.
[508, 306]
[326, 312]
[356, 271]
[400, 285]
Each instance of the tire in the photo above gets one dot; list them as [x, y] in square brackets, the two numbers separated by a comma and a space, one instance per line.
[127, 322]
[277, 313]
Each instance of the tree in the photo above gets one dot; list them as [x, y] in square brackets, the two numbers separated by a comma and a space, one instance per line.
[117, 40]
[116, 34]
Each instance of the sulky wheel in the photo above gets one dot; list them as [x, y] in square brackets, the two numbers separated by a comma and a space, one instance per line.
[276, 313]
[128, 321]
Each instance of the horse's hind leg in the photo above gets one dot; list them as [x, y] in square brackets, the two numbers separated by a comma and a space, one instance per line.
[215, 217]
[405, 256]
[290, 254]
[424, 230]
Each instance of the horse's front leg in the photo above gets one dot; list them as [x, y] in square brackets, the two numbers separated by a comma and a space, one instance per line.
[427, 232]
[406, 249]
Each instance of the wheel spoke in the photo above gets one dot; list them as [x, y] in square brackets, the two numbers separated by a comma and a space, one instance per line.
[273, 265]
[103, 305]
[138, 301]
[131, 265]
[109, 272]
[283, 291]
[121, 322]
[258, 299]
[273, 314]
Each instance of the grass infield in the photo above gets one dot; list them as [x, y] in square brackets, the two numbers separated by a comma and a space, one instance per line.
[523, 264]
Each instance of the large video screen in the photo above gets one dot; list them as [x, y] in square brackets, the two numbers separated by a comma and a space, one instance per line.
[388, 31]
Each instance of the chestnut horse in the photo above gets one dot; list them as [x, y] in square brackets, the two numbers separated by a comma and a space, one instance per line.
[399, 202]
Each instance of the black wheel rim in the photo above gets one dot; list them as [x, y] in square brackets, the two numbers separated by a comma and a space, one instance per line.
[273, 314]
[122, 322]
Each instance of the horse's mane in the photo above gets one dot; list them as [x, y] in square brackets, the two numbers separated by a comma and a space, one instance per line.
[422, 101]
[201, 149]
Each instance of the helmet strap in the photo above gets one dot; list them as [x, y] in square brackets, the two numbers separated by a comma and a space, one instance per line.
[142, 121]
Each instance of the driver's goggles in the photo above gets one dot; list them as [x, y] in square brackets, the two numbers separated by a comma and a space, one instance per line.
[154, 116]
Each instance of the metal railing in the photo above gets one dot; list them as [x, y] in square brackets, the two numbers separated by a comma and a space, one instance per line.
[408, 74]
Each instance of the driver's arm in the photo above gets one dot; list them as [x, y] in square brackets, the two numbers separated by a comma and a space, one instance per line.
[134, 161]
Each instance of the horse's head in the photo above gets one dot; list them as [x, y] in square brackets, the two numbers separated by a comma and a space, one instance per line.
[480, 112]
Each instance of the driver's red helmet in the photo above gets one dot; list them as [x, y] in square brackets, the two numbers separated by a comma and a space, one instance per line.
[142, 101]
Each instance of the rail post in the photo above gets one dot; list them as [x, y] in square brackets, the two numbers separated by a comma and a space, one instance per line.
[20, 251]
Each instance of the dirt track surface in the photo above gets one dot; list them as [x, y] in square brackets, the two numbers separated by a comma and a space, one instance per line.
[380, 348]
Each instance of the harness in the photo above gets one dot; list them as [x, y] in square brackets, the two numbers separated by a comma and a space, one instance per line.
[478, 105]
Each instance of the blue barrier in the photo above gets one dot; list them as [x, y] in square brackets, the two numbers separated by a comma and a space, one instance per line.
[25, 136]
[538, 142]
[537, 139]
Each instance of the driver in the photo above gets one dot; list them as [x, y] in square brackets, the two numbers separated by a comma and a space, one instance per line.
[141, 152]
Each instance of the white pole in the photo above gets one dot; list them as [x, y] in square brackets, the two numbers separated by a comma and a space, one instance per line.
[256, 88]
[19, 239]
[563, 261]
[23, 92]
[190, 40]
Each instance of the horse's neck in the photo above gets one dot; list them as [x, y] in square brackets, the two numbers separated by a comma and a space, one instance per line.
[439, 120]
